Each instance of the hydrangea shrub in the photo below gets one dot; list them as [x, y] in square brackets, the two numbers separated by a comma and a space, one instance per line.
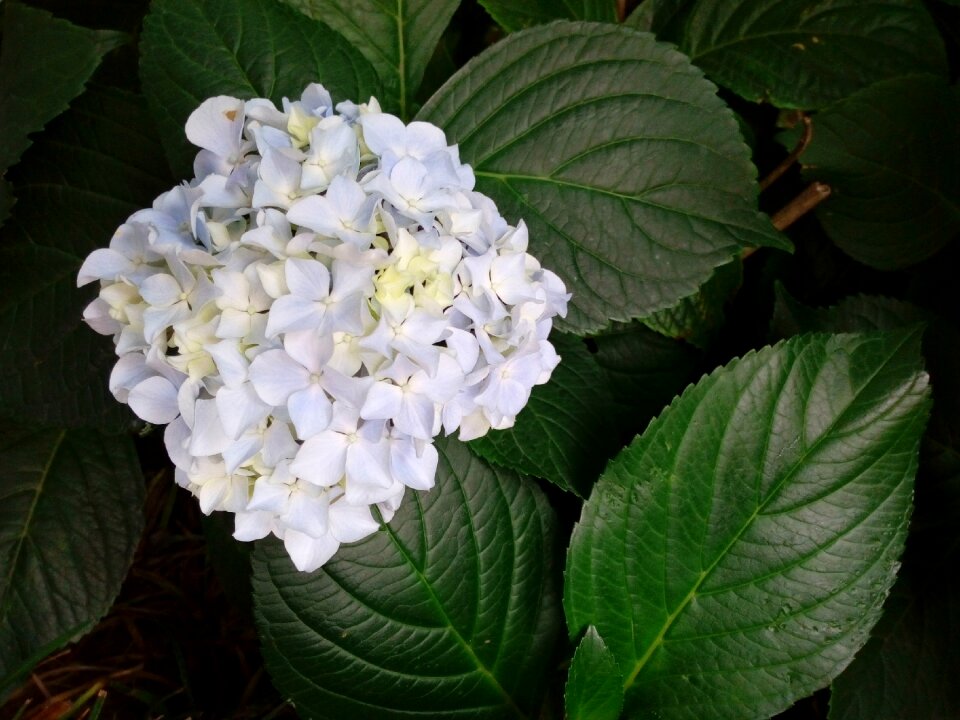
[339, 326]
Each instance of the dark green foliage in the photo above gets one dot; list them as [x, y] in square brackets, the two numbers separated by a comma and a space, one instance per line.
[399, 626]
[245, 48]
[737, 554]
[629, 171]
[70, 519]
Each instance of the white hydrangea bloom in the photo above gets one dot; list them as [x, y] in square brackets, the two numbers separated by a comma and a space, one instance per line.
[313, 308]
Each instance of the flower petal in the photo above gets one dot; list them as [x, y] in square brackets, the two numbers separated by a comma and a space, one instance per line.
[209, 437]
[310, 410]
[275, 375]
[216, 126]
[350, 523]
[154, 400]
[308, 553]
[322, 459]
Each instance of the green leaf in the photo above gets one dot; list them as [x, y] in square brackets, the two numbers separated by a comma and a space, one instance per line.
[594, 685]
[664, 18]
[644, 371]
[698, 318]
[35, 86]
[890, 154]
[857, 313]
[192, 50]
[736, 555]
[93, 167]
[398, 37]
[803, 54]
[628, 169]
[70, 520]
[565, 433]
[451, 611]
[514, 15]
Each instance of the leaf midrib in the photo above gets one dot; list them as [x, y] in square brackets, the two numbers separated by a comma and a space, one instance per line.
[656, 643]
[460, 640]
[28, 519]
[505, 177]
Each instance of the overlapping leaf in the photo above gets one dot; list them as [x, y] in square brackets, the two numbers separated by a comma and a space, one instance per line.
[35, 86]
[698, 318]
[628, 169]
[644, 371]
[859, 313]
[451, 611]
[797, 53]
[396, 36]
[735, 557]
[244, 48]
[514, 15]
[904, 670]
[95, 165]
[70, 517]
[594, 686]
[566, 432]
[891, 154]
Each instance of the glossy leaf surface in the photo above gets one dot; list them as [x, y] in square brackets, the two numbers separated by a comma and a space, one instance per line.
[452, 610]
[736, 555]
[628, 169]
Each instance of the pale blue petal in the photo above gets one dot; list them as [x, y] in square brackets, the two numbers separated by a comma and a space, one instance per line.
[310, 410]
[240, 409]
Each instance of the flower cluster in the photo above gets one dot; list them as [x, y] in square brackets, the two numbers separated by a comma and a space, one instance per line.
[311, 310]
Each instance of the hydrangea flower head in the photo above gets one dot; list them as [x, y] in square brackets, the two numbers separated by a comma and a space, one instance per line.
[324, 298]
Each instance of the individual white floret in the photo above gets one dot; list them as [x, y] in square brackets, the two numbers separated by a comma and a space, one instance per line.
[293, 378]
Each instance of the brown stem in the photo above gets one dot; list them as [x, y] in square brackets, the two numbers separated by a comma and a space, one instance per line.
[792, 157]
[621, 10]
[814, 194]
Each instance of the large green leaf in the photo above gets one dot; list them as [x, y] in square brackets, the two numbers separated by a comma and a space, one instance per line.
[628, 169]
[736, 555]
[36, 86]
[70, 518]
[92, 168]
[451, 611]
[594, 685]
[799, 53]
[195, 49]
[514, 15]
[566, 432]
[891, 154]
[396, 36]
[905, 670]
